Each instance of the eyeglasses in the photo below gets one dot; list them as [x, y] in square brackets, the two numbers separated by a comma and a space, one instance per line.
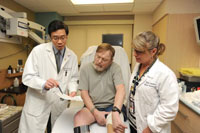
[56, 38]
[101, 59]
[138, 52]
[141, 52]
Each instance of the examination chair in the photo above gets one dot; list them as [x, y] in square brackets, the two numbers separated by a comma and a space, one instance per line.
[64, 123]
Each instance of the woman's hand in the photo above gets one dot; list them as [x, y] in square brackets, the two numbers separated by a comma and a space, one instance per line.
[147, 130]
[118, 125]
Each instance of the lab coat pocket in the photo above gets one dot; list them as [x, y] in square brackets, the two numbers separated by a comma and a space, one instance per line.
[149, 92]
[37, 110]
[67, 72]
[66, 76]
[36, 104]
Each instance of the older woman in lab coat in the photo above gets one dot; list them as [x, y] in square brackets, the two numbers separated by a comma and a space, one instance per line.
[153, 99]
[42, 78]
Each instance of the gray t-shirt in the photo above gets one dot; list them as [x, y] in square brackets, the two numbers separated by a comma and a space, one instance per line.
[101, 85]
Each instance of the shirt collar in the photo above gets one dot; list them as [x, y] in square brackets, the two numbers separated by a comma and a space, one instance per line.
[56, 50]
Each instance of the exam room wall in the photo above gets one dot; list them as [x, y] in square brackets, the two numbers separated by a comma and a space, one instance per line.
[182, 49]
[174, 25]
[142, 22]
[10, 48]
[87, 31]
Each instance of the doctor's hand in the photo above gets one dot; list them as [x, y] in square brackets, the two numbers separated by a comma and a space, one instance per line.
[117, 124]
[51, 83]
[147, 130]
[72, 94]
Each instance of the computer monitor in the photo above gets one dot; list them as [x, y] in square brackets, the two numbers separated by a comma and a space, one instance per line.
[113, 39]
[197, 28]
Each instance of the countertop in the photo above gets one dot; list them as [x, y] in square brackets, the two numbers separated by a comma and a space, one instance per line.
[9, 111]
[189, 99]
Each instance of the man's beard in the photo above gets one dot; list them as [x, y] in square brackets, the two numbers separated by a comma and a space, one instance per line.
[97, 68]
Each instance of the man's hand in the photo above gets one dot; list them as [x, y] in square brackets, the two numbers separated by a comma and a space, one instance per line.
[118, 125]
[147, 130]
[100, 117]
[72, 94]
[51, 83]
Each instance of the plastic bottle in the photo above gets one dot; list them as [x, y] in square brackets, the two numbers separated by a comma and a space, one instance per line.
[10, 69]
[14, 71]
[21, 69]
[16, 82]
[184, 89]
[18, 68]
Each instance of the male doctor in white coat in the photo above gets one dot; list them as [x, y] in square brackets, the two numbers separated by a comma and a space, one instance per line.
[43, 75]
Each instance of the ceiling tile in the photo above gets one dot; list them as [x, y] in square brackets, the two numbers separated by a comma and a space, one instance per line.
[89, 8]
[65, 7]
[118, 7]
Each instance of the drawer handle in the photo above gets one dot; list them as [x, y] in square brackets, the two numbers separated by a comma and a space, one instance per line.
[185, 116]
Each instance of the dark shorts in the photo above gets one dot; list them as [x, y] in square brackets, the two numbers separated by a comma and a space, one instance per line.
[107, 109]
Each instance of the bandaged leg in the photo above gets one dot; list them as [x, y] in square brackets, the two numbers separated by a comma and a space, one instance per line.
[82, 129]
[109, 122]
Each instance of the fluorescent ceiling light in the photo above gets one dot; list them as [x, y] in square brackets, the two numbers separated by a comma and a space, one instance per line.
[79, 2]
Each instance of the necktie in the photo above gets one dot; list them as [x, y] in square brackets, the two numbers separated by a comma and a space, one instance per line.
[58, 63]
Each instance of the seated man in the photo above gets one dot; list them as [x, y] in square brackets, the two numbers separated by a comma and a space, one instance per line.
[102, 90]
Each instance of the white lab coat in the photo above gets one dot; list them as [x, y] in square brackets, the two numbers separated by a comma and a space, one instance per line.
[40, 66]
[156, 98]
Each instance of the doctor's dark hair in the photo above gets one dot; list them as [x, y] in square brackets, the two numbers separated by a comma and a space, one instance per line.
[57, 25]
[150, 41]
[106, 47]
